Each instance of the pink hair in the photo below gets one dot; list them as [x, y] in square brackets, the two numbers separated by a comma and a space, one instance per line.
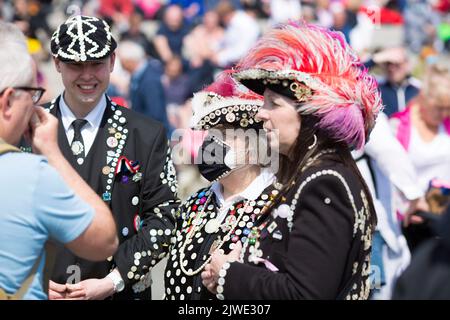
[346, 100]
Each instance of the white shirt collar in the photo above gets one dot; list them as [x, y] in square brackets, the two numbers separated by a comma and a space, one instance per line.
[253, 190]
[93, 118]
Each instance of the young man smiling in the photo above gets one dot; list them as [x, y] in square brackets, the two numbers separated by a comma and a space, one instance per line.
[122, 155]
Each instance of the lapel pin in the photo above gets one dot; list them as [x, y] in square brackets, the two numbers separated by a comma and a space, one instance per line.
[112, 142]
[277, 235]
[106, 196]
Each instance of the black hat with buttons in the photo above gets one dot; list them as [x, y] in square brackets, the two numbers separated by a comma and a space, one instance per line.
[82, 38]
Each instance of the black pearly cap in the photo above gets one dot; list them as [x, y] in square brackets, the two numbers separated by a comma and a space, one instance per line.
[82, 38]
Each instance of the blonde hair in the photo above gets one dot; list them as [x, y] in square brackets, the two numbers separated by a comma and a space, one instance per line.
[436, 83]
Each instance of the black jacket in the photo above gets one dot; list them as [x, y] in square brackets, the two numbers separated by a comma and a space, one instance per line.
[196, 247]
[324, 254]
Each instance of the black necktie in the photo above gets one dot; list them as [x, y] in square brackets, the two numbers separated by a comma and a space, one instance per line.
[77, 145]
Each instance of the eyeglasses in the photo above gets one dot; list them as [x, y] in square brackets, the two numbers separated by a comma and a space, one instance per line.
[35, 92]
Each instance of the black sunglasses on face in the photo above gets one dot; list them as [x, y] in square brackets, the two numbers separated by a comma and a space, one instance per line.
[36, 92]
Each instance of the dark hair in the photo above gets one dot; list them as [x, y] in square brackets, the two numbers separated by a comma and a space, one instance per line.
[224, 7]
[297, 159]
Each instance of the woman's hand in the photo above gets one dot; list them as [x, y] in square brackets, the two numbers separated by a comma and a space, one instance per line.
[208, 280]
[211, 273]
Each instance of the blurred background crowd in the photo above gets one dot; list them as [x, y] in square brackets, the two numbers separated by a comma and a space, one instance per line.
[169, 49]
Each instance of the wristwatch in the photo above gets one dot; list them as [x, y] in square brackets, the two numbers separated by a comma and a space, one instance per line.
[117, 280]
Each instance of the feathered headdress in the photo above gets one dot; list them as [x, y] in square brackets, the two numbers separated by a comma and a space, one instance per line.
[318, 69]
[225, 102]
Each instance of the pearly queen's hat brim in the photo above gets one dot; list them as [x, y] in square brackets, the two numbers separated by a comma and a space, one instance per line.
[82, 38]
[296, 85]
[211, 109]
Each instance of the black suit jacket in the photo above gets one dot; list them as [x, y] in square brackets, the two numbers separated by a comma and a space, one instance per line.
[143, 208]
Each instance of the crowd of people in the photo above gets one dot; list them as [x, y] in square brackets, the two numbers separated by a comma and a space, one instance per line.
[187, 43]
[345, 185]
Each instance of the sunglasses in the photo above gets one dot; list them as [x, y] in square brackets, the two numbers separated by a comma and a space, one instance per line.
[35, 92]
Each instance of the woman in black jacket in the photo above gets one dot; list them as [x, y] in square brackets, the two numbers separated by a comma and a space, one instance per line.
[215, 218]
[313, 240]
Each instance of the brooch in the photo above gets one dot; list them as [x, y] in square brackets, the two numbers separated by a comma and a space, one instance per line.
[127, 169]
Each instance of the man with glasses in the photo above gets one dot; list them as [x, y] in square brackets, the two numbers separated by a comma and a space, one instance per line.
[41, 198]
[35, 92]
[122, 155]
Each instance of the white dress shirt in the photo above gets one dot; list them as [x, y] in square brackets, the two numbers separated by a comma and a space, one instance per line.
[392, 159]
[90, 129]
[253, 191]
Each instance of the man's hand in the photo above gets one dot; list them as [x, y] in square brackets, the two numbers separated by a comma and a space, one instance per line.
[56, 291]
[90, 289]
[44, 129]
[211, 273]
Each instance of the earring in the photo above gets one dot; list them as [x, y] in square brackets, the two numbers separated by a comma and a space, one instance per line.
[314, 143]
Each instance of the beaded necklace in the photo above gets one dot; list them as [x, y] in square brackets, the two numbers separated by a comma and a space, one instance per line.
[256, 231]
[252, 240]
[197, 227]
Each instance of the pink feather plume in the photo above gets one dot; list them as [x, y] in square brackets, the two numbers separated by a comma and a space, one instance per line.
[348, 102]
